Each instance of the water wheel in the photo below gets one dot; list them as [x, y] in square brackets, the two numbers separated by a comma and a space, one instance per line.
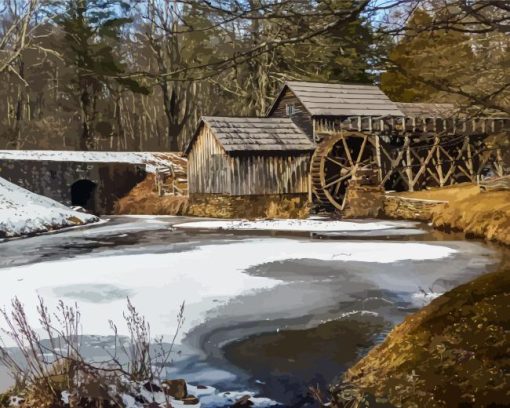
[337, 159]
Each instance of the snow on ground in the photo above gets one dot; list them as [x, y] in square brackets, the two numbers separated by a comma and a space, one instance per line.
[210, 397]
[23, 212]
[152, 160]
[205, 277]
[311, 225]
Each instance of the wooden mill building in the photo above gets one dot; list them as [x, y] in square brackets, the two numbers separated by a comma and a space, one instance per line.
[318, 137]
[255, 160]
[313, 106]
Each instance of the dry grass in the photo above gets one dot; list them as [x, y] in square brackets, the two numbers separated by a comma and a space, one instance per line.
[448, 193]
[144, 199]
[484, 215]
[478, 214]
[454, 352]
[47, 363]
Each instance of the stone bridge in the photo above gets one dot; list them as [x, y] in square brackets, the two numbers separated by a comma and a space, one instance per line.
[93, 180]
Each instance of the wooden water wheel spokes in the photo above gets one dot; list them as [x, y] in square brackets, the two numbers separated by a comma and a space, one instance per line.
[335, 161]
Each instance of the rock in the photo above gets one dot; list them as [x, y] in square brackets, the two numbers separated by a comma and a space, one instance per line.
[363, 201]
[190, 400]
[201, 387]
[80, 209]
[152, 387]
[495, 184]
[140, 398]
[152, 405]
[257, 206]
[244, 401]
[176, 388]
[410, 208]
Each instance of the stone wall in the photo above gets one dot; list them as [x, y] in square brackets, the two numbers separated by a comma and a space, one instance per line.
[54, 179]
[363, 202]
[249, 206]
[410, 208]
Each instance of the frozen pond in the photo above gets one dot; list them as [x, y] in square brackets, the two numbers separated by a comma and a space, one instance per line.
[239, 284]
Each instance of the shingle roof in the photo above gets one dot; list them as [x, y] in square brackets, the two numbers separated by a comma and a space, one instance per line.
[255, 134]
[324, 99]
[429, 110]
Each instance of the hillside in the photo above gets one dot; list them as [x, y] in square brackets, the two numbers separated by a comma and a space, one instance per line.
[454, 352]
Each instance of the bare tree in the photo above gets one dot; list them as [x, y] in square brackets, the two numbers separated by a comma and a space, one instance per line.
[16, 31]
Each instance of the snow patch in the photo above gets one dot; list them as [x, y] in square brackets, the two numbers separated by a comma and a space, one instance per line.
[23, 212]
[152, 160]
[15, 401]
[421, 299]
[65, 397]
[310, 224]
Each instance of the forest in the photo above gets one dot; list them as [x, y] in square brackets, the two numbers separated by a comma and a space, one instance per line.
[138, 74]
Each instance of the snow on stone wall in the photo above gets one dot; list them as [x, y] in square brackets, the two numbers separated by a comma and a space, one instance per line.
[152, 160]
[23, 212]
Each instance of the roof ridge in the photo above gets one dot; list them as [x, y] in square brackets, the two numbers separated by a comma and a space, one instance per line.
[241, 117]
[262, 134]
[330, 83]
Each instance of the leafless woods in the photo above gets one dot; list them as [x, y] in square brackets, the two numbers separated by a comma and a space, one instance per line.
[136, 75]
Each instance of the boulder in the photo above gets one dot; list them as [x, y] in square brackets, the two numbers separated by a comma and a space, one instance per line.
[244, 401]
[190, 400]
[151, 387]
[495, 184]
[176, 388]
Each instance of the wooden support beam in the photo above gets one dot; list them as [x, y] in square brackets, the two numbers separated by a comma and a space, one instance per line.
[439, 163]
[409, 169]
[467, 141]
[424, 163]
[499, 163]
[378, 157]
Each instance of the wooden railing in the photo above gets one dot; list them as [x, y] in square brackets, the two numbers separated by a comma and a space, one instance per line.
[417, 125]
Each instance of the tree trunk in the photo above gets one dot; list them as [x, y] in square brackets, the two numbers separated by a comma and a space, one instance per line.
[173, 127]
[15, 140]
[86, 138]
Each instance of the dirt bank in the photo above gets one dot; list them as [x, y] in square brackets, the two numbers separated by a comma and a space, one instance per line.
[144, 199]
[483, 215]
[478, 214]
[454, 352]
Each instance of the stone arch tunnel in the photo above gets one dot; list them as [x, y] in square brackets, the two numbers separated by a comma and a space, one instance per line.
[93, 185]
[83, 194]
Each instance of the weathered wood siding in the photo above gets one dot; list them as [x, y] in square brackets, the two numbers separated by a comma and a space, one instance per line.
[268, 174]
[207, 172]
[212, 171]
[300, 117]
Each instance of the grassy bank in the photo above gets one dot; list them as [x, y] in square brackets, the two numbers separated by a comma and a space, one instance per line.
[454, 352]
[484, 215]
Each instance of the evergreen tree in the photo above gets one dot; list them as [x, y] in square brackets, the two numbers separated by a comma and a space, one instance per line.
[91, 32]
[422, 58]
